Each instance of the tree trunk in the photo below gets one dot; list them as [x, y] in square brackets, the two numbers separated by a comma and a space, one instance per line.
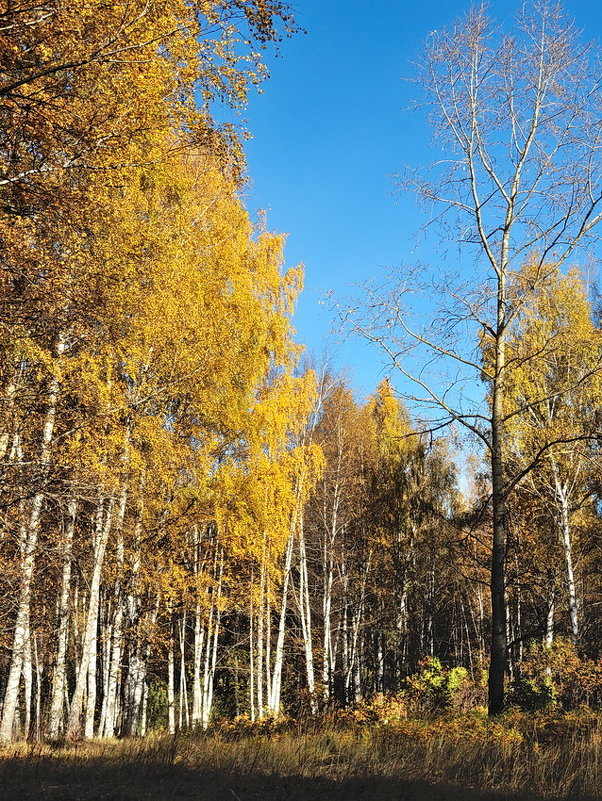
[274, 701]
[327, 655]
[171, 679]
[28, 558]
[210, 678]
[91, 629]
[565, 538]
[549, 638]
[183, 716]
[199, 634]
[136, 667]
[198, 649]
[27, 683]
[498, 653]
[90, 705]
[305, 613]
[212, 640]
[115, 652]
[252, 660]
[39, 668]
[260, 641]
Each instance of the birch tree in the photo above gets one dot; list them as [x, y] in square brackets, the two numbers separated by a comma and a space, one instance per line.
[556, 373]
[515, 117]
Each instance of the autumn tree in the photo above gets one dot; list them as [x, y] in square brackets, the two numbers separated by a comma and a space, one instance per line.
[376, 527]
[555, 375]
[131, 277]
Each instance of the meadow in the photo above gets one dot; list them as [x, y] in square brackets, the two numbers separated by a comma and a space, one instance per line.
[449, 756]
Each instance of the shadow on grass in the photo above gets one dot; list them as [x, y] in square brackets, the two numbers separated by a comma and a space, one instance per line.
[50, 779]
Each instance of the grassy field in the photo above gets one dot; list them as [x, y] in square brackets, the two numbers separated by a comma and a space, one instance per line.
[460, 758]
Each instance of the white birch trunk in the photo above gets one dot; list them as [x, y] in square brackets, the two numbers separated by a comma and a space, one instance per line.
[199, 634]
[109, 722]
[268, 648]
[28, 558]
[184, 719]
[549, 638]
[353, 647]
[359, 689]
[39, 668]
[327, 662]
[143, 714]
[90, 632]
[197, 690]
[260, 642]
[345, 648]
[138, 676]
[132, 694]
[274, 701]
[210, 682]
[380, 661]
[171, 680]
[210, 666]
[106, 639]
[91, 685]
[10, 433]
[136, 723]
[305, 615]
[27, 684]
[206, 671]
[252, 662]
[565, 537]
[56, 721]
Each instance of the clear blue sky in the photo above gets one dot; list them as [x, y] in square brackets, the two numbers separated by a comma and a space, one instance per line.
[330, 129]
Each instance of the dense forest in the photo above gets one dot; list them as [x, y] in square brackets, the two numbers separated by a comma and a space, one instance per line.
[200, 523]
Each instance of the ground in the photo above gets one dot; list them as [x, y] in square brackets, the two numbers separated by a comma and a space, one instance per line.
[467, 757]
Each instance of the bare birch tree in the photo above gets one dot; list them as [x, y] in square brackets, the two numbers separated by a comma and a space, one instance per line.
[516, 120]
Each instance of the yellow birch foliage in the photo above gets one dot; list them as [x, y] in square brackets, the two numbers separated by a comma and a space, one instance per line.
[123, 232]
[554, 371]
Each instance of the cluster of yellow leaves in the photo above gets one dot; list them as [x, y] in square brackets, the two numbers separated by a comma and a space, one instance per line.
[553, 376]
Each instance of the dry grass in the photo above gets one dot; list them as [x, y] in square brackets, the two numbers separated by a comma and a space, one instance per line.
[465, 758]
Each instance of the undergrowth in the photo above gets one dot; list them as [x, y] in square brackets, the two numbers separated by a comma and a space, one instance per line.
[544, 755]
[432, 739]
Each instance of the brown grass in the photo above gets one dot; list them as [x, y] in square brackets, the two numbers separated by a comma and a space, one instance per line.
[465, 758]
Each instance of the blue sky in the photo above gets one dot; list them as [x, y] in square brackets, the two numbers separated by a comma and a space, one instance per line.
[332, 126]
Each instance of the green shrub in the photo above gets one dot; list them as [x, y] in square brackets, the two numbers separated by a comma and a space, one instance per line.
[532, 694]
[157, 709]
[436, 687]
[558, 675]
